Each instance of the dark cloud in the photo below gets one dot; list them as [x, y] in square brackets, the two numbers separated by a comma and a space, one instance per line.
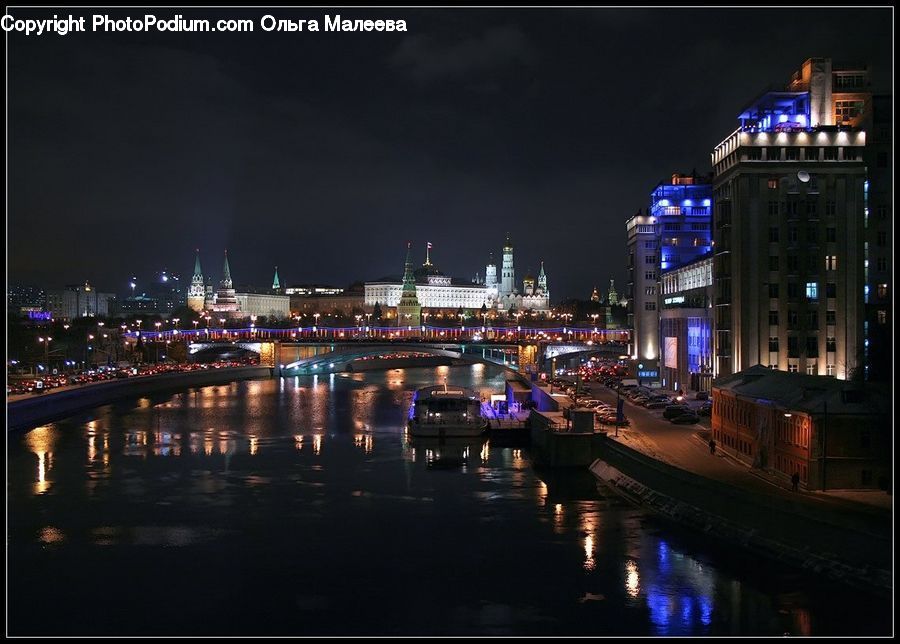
[425, 59]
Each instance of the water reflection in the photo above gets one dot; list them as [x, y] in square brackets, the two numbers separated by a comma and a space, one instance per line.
[446, 453]
[41, 441]
[338, 495]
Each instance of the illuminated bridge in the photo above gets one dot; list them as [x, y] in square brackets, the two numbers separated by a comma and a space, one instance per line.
[314, 350]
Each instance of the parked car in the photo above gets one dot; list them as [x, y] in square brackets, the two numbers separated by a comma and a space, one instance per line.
[688, 418]
[656, 404]
[672, 411]
[705, 409]
[702, 395]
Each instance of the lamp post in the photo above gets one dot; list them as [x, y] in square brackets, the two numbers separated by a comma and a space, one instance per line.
[87, 348]
[619, 414]
[46, 342]
[316, 316]
[156, 343]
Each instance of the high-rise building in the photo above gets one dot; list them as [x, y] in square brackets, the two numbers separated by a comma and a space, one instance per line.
[20, 300]
[878, 338]
[789, 193]
[79, 301]
[166, 287]
[643, 272]
[196, 292]
[682, 211]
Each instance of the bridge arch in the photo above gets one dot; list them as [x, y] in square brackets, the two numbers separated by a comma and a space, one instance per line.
[340, 357]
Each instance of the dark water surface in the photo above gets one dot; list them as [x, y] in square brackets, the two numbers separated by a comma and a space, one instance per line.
[300, 506]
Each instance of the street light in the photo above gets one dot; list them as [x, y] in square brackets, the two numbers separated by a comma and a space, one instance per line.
[156, 343]
[87, 348]
[46, 342]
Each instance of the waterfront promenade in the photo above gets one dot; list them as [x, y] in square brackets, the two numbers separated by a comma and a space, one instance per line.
[28, 410]
[852, 528]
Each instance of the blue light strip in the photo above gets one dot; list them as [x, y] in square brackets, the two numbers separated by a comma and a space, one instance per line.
[323, 331]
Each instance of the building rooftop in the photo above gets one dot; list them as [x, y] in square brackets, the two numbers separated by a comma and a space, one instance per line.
[801, 392]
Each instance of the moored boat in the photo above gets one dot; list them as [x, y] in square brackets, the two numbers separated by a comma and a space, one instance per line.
[444, 411]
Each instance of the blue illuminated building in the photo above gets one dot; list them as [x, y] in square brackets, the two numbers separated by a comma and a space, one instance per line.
[777, 112]
[682, 210]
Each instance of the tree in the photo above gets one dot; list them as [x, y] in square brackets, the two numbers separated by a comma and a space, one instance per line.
[376, 312]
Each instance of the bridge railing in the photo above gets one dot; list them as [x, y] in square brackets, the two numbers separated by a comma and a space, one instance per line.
[426, 333]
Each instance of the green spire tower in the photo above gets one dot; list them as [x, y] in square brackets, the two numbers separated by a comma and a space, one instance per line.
[409, 312]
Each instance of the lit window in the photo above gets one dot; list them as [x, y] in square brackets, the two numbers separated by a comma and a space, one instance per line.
[829, 370]
[882, 317]
[773, 184]
[830, 262]
[882, 291]
[812, 291]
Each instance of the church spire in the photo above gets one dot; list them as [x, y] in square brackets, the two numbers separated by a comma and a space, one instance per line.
[226, 273]
[197, 271]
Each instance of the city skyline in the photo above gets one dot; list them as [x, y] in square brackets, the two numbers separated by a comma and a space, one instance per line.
[166, 163]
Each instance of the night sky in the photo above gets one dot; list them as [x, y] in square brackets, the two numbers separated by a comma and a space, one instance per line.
[325, 152]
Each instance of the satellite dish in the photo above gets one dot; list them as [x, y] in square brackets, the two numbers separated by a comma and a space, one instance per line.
[803, 175]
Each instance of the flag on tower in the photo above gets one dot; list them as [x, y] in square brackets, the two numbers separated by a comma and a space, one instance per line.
[429, 245]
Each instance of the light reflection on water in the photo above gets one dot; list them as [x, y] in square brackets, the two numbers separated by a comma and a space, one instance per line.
[313, 487]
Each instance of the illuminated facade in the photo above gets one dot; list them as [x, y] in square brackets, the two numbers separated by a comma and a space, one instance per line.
[263, 304]
[438, 292]
[685, 326]
[789, 197]
[682, 211]
[508, 276]
[535, 294]
[643, 271]
[879, 235]
[228, 303]
[78, 301]
[834, 434]
[433, 290]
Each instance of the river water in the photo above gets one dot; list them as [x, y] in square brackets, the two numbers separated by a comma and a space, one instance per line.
[300, 506]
